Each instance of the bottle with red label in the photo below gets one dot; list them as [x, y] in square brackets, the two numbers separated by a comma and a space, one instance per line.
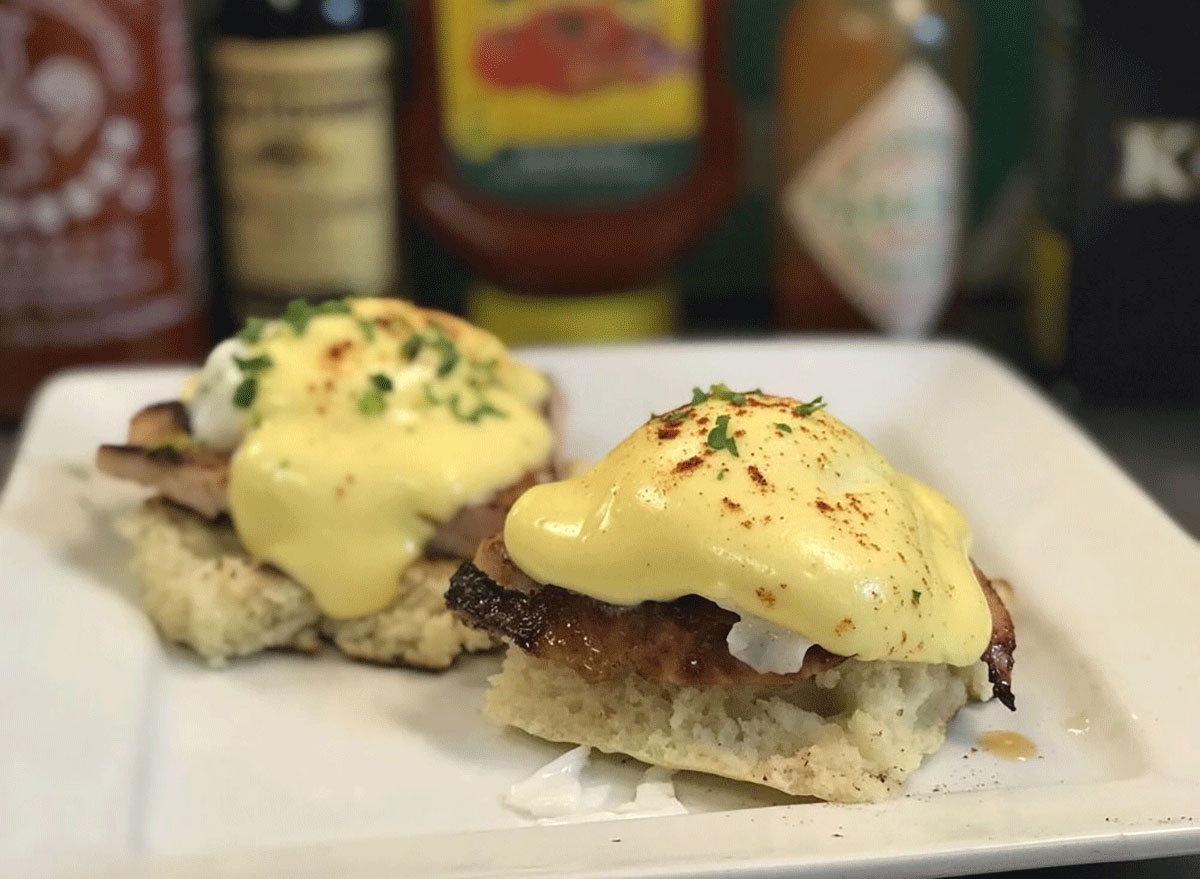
[570, 152]
[99, 236]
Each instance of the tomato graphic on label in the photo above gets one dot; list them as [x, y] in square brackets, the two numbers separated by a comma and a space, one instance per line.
[573, 50]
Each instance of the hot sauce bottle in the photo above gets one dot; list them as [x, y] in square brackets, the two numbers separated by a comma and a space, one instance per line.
[873, 148]
[570, 152]
[99, 208]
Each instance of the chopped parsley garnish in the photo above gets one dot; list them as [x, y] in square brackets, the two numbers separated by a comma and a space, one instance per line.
[677, 416]
[333, 306]
[435, 338]
[454, 403]
[782, 428]
[449, 356]
[372, 402]
[916, 597]
[253, 330]
[254, 365]
[298, 312]
[412, 347]
[719, 438]
[246, 391]
[722, 391]
[805, 409]
[721, 473]
[368, 329]
[475, 415]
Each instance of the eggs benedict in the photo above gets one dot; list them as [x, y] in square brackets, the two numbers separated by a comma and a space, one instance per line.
[746, 587]
[323, 474]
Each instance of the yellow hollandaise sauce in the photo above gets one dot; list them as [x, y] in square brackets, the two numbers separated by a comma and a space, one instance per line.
[368, 423]
[772, 508]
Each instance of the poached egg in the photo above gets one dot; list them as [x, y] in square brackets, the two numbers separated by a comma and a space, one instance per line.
[357, 427]
[772, 508]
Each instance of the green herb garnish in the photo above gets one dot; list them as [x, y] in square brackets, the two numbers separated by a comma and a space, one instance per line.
[254, 365]
[372, 402]
[782, 428]
[721, 474]
[435, 338]
[916, 597]
[246, 391]
[368, 329]
[253, 330]
[722, 391]
[478, 413]
[449, 357]
[454, 404]
[298, 313]
[810, 407]
[677, 416]
[411, 347]
[719, 438]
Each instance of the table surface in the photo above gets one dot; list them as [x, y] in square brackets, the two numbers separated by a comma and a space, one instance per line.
[1159, 448]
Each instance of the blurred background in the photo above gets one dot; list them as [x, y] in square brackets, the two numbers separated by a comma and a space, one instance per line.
[1021, 174]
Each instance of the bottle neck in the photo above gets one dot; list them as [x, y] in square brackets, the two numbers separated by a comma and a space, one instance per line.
[284, 19]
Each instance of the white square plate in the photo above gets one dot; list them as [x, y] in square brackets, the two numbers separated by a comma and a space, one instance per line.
[122, 757]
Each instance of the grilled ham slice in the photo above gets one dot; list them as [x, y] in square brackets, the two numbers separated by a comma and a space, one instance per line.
[680, 642]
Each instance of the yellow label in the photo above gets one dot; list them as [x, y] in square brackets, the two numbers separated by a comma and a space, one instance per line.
[1049, 292]
[519, 72]
[305, 154]
[523, 319]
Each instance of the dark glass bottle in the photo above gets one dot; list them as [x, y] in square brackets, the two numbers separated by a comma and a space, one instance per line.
[303, 104]
[1112, 292]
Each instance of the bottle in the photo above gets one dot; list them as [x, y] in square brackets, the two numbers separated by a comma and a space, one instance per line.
[1112, 294]
[873, 143]
[303, 119]
[570, 152]
[99, 209]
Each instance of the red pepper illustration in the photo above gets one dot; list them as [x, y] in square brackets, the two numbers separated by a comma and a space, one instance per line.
[573, 50]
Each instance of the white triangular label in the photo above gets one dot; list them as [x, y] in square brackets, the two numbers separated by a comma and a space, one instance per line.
[880, 205]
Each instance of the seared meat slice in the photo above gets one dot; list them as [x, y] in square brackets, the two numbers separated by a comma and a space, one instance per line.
[196, 478]
[680, 642]
[999, 653]
[159, 424]
[460, 537]
[159, 455]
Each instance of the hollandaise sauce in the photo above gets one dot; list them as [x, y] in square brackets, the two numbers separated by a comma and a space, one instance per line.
[365, 424]
[775, 509]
